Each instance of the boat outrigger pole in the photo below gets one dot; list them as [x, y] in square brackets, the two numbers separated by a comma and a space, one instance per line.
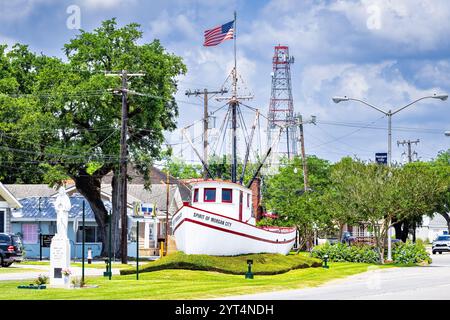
[264, 159]
[205, 166]
[247, 152]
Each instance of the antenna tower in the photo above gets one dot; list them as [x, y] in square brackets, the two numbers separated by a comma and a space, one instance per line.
[281, 108]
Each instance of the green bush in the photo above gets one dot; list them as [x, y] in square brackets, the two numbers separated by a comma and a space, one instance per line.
[341, 252]
[410, 253]
[41, 279]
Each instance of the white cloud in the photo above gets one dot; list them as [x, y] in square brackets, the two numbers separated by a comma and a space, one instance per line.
[19, 9]
[105, 4]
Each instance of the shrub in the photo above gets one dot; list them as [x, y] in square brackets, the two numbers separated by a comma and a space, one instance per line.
[341, 252]
[41, 279]
[410, 253]
[77, 282]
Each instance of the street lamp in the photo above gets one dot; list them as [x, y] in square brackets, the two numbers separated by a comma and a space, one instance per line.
[389, 115]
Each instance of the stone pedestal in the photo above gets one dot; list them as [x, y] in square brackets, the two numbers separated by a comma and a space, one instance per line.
[59, 260]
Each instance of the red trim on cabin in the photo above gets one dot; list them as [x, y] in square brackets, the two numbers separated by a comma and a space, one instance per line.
[281, 229]
[204, 194]
[233, 232]
[231, 195]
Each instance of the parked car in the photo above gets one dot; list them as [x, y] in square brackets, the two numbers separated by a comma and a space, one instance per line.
[11, 249]
[441, 244]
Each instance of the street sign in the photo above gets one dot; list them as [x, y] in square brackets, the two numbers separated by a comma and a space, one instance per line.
[381, 158]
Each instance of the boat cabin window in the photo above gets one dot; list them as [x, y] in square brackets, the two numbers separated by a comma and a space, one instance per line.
[195, 195]
[227, 195]
[209, 195]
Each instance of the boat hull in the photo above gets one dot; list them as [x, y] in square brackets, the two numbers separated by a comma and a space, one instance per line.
[199, 231]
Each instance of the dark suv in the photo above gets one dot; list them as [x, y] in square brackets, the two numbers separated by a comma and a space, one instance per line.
[10, 249]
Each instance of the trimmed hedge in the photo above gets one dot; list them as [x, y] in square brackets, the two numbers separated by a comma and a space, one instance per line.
[410, 253]
[402, 253]
[263, 264]
[341, 252]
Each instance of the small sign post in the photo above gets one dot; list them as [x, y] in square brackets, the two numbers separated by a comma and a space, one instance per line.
[381, 158]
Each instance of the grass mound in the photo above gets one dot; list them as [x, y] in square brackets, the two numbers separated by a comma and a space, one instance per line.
[263, 263]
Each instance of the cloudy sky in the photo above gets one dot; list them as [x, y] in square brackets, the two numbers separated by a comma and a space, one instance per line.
[387, 53]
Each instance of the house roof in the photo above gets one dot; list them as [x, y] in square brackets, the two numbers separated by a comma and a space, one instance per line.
[9, 197]
[157, 177]
[438, 221]
[156, 194]
[43, 208]
[21, 191]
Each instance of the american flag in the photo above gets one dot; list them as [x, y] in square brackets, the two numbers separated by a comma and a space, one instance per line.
[219, 34]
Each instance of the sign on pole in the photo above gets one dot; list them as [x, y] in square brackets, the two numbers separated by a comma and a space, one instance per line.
[381, 158]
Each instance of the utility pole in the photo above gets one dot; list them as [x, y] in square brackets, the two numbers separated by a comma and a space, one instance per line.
[302, 145]
[167, 211]
[122, 198]
[205, 93]
[408, 143]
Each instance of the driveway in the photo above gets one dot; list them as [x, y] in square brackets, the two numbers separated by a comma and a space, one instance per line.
[417, 283]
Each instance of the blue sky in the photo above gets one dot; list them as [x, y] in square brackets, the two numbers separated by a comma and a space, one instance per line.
[385, 52]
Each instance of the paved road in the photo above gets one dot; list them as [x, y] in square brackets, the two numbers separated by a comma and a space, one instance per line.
[418, 283]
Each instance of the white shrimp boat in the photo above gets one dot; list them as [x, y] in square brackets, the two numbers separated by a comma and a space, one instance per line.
[219, 221]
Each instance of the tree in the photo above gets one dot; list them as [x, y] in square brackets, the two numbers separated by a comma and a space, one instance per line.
[21, 138]
[182, 170]
[84, 128]
[284, 194]
[442, 166]
[382, 196]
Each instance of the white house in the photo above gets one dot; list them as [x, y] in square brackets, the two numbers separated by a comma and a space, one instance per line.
[7, 203]
[432, 227]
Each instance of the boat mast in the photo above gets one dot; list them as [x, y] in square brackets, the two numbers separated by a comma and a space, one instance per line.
[233, 106]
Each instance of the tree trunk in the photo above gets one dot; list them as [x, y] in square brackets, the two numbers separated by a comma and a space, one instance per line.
[398, 230]
[405, 231]
[90, 188]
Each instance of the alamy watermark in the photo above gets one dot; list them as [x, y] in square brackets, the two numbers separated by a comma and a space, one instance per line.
[73, 21]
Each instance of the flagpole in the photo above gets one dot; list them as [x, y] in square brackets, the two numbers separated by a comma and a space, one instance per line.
[235, 70]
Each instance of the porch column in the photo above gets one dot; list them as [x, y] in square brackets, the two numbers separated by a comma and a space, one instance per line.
[147, 235]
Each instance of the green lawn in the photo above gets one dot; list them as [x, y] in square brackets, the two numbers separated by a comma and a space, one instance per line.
[186, 284]
[263, 263]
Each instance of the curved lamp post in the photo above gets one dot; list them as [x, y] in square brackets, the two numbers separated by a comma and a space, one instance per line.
[389, 115]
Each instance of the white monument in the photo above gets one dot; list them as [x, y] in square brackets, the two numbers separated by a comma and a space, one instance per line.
[60, 246]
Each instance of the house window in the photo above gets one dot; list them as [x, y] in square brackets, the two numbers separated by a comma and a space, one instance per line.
[91, 234]
[209, 195]
[2, 221]
[227, 195]
[248, 200]
[30, 233]
[195, 195]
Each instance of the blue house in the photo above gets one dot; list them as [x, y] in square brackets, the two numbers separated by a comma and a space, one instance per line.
[31, 214]
[36, 220]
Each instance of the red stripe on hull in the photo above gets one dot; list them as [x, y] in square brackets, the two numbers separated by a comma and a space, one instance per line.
[231, 231]
[288, 230]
